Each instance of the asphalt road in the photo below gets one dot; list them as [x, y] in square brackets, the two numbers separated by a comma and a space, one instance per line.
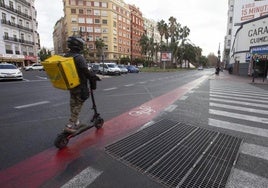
[33, 112]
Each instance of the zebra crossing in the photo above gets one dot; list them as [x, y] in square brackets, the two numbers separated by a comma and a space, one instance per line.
[243, 109]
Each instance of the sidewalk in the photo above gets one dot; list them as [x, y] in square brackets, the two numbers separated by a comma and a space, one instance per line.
[236, 78]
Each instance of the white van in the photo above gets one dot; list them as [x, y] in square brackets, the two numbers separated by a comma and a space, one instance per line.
[109, 68]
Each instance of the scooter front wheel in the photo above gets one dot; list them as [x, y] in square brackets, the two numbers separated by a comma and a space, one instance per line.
[61, 141]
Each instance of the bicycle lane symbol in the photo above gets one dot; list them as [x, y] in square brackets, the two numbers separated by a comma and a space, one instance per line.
[142, 110]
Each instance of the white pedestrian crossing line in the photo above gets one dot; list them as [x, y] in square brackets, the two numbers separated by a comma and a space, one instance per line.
[232, 107]
[250, 92]
[248, 105]
[242, 179]
[239, 102]
[238, 127]
[240, 98]
[239, 116]
[255, 151]
[240, 95]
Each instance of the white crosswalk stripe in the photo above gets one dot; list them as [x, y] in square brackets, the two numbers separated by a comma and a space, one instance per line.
[231, 104]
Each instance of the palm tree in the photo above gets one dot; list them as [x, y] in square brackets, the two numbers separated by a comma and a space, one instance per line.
[99, 43]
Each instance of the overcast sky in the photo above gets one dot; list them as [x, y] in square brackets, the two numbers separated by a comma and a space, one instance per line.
[206, 19]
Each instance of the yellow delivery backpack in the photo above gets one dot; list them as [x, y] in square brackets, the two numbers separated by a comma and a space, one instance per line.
[61, 72]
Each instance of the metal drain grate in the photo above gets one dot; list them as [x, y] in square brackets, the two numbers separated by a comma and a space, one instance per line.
[176, 154]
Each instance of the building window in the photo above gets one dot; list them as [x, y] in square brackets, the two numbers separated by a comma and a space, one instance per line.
[104, 22]
[88, 11]
[89, 29]
[89, 20]
[80, 2]
[4, 16]
[231, 20]
[97, 12]
[81, 11]
[9, 49]
[104, 13]
[97, 21]
[104, 5]
[97, 30]
[230, 32]
[73, 11]
[81, 20]
[11, 5]
[96, 4]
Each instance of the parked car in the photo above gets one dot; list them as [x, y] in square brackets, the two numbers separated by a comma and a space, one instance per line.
[200, 68]
[109, 68]
[95, 67]
[123, 69]
[35, 66]
[10, 72]
[133, 69]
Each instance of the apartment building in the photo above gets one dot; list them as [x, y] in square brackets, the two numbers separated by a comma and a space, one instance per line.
[19, 39]
[137, 30]
[247, 36]
[109, 20]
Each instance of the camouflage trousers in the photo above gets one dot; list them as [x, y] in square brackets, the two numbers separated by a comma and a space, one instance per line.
[76, 104]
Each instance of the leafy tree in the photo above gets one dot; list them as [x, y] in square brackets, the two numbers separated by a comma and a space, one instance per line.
[44, 54]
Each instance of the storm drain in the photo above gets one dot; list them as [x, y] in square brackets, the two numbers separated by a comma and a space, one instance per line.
[179, 155]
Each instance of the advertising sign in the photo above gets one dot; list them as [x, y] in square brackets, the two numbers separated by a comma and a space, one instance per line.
[166, 56]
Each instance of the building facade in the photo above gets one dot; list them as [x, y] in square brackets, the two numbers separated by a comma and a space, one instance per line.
[19, 39]
[137, 30]
[109, 20]
[246, 32]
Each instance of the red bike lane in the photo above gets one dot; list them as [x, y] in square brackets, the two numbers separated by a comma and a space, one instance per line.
[38, 169]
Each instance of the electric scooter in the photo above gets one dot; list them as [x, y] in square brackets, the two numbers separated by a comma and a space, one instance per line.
[63, 138]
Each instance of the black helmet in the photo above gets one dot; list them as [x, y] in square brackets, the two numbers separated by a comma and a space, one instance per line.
[75, 43]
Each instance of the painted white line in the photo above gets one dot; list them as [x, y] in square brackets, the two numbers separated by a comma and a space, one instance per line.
[109, 89]
[253, 110]
[83, 179]
[238, 127]
[142, 82]
[239, 116]
[183, 98]
[44, 78]
[255, 151]
[239, 102]
[30, 105]
[251, 95]
[171, 108]
[242, 179]
[129, 85]
[239, 98]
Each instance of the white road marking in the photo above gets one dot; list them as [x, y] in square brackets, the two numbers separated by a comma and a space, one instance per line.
[239, 116]
[244, 109]
[242, 179]
[128, 85]
[239, 102]
[83, 179]
[239, 98]
[170, 108]
[32, 104]
[109, 89]
[183, 98]
[255, 151]
[238, 127]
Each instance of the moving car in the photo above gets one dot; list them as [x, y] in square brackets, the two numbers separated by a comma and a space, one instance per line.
[35, 66]
[10, 72]
[133, 69]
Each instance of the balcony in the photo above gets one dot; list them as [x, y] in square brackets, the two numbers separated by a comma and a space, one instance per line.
[13, 39]
[15, 10]
[15, 25]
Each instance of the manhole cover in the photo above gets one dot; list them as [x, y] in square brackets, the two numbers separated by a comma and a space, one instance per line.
[179, 155]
